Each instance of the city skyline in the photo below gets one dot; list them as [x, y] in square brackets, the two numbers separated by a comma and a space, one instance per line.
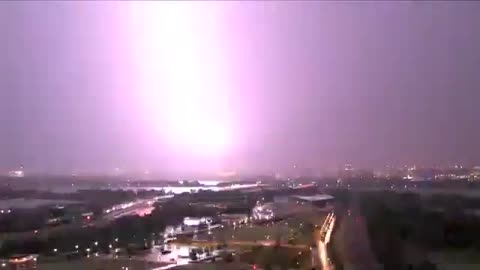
[202, 87]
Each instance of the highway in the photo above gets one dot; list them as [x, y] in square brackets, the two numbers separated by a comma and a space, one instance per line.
[239, 243]
[323, 238]
[138, 207]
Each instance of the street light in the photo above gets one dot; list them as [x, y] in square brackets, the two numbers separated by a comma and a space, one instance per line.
[55, 250]
[96, 243]
[76, 246]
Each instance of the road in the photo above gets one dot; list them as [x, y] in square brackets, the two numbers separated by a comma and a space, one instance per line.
[322, 238]
[239, 243]
[137, 207]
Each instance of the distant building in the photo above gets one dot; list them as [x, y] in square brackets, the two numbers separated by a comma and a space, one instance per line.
[392, 172]
[348, 167]
[364, 174]
[17, 173]
[420, 174]
[475, 174]
[456, 172]
[346, 172]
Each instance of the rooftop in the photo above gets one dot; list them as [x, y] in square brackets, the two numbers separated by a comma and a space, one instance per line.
[317, 197]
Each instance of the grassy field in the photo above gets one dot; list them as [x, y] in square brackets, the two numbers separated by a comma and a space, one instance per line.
[300, 228]
[215, 266]
[277, 258]
[94, 264]
[468, 259]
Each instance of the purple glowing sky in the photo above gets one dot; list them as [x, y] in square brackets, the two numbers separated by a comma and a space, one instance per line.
[255, 86]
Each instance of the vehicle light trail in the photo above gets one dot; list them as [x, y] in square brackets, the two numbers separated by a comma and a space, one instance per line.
[325, 237]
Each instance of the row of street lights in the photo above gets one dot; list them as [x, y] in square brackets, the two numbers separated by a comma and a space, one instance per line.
[77, 247]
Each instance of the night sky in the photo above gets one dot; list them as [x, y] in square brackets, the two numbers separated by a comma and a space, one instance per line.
[253, 86]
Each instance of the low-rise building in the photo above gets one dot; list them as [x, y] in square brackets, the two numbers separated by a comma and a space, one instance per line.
[20, 262]
[318, 200]
[283, 207]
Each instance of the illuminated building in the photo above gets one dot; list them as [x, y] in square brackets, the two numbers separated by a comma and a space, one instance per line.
[20, 172]
[475, 174]
[191, 221]
[21, 262]
[415, 174]
[346, 172]
[265, 211]
[456, 172]
[348, 167]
